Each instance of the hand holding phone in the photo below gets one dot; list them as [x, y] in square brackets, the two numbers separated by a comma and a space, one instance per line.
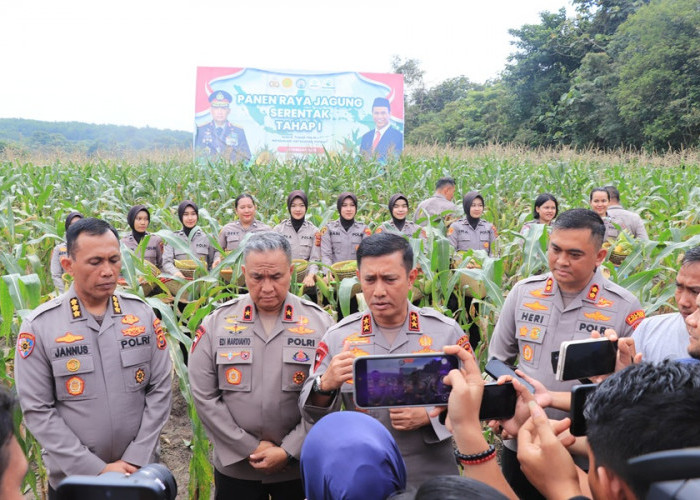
[497, 368]
[580, 359]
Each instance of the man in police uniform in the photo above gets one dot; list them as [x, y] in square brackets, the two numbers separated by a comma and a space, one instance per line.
[438, 204]
[249, 361]
[624, 218]
[220, 137]
[92, 368]
[60, 252]
[391, 325]
[568, 303]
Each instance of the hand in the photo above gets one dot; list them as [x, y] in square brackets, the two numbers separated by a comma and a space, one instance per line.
[270, 460]
[120, 466]
[544, 459]
[178, 274]
[216, 262]
[309, 280]
[408, 419]
[626, 352]
[339, 370]
[509, 428]
[263, 446]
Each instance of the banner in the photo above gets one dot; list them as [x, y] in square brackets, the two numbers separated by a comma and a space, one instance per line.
[246, 114]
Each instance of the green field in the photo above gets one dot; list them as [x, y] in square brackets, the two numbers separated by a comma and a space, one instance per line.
[40, 191]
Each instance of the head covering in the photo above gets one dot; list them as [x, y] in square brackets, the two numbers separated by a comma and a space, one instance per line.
[381, 102]
[346, 223]
[456, 488]
[334, 467]
[181, 213]
[467, 204]
[399, 223]
[131, 218]
[220, 99]
[70, 217]
[298, 193]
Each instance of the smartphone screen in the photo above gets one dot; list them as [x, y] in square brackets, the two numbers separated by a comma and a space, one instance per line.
[579, 395]
[583, 359]
[402, 380]
[498, 402]
[496, 368]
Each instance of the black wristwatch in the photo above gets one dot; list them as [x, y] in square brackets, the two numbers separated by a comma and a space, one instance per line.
[317, 388]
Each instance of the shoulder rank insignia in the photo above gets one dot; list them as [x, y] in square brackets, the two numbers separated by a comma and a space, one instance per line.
[549, 285]
[116, 307]
[301, 326]
[130, 319]
[69, 338]
[289, 312]
[248, 313]
[413, 322]
[463, 342]
[593, 292]
[368, 232]
[197, 336]
[161, 342]
[75, 308]
[536, 306]
[635, 318]
[366, 324]
[597, 316]
[25, 344]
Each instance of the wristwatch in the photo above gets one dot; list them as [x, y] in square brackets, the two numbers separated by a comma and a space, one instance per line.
[317, 388]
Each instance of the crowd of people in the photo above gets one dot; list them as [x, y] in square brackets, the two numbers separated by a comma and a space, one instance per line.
[271, 373]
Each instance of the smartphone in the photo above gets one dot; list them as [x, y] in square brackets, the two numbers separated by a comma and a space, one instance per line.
[496, 368]
[579, 395]
[580, 359]
[402, 380]
[498, 402]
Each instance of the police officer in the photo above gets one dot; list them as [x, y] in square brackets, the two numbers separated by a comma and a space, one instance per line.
[398, 208]
[138, 219]
[391, 325]
[199, 243]
[232, 234]
[58, 253]
[92, 367]
[301, 234]
[439, 205]
[472, 232]
[340, 238]
[625, 218]
[249, 361]
[567, 303]
[219, 137]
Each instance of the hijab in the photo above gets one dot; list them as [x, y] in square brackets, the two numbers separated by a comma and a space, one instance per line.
[334, 467]
[70, 217]
[181, 213]
[467, 204]
[298, 193]
[346, 223]
[131, 218]
[399, 223]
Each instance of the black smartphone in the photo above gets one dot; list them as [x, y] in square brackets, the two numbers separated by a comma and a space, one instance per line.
[496, 368]
[579, 395]
[580, 359]
[498, 402]
[402, 380]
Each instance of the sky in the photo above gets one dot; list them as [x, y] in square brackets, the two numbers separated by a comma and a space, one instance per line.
[133, 62]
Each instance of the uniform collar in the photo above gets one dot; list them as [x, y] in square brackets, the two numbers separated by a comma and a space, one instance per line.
[78, 312]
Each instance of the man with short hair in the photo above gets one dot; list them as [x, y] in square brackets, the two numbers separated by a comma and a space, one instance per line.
[620, 418]
[631, 221]
[665, 336]
[92, 368]
[248, 363]
[384, 140]
[219, 137]
[390, 325]
[13, 463]
[568, 303]
[439, 205]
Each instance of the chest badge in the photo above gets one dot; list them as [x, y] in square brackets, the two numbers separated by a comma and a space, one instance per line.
[130, 319]
[301, 326]
[425, 342]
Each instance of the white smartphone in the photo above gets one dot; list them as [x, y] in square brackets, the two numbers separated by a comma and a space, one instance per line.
[580, 359]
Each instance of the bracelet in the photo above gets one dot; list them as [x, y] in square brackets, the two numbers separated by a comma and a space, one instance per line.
[477, 458]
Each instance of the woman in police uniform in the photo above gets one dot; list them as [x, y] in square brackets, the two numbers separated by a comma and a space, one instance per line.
[398, 208]
[340, 238]
[138, 219]
[544, 212]
[233, 233]
[599, 199]
[301, 234]
[199, 242]
[472, 231]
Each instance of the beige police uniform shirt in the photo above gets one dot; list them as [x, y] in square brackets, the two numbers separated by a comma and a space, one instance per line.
[232, 234]
[246, 383]
[93, 394]
[200, 245]
[338, 245]
[306, 243]
[628, 220]
[57, 271]
[410, 229]
[434, 206]
[428, 450]
[462, 236]
[153, 252]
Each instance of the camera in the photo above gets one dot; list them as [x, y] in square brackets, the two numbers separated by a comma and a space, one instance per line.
[150, 482]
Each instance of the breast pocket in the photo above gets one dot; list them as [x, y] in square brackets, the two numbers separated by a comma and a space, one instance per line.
[235, 369]
[232, 241]
[136, 368]
[296, 364]
[75, 378]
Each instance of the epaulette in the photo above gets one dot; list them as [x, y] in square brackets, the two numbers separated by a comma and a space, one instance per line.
[128, 295]
[46, 306]
[230, 302]
[535, 278]
[350, 319]
[429, 311]
[312, 304]
[618, 290]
